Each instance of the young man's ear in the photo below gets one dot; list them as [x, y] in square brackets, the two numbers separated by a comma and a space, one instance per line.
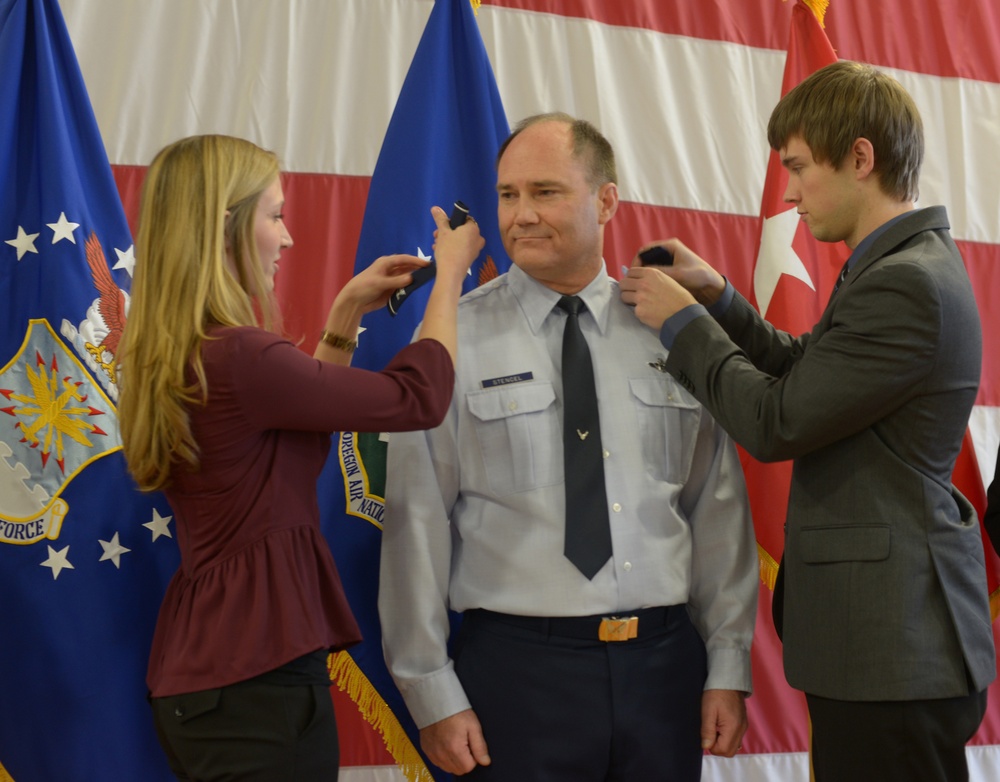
[863, 156]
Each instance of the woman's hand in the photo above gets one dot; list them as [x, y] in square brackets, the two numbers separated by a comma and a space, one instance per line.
[371, 288]
[455, 248]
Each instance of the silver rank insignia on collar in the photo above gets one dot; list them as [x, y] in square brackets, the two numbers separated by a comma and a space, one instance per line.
[660, 364]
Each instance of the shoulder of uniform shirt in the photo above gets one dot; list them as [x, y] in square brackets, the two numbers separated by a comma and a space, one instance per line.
[491, 286]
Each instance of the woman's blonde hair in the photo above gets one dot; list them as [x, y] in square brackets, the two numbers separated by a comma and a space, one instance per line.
[199, 198]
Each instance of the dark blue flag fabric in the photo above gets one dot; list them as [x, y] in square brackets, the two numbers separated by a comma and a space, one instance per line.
[439, 148]
[84, 558]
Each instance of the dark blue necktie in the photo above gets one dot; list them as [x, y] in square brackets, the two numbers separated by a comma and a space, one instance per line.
[588, 531]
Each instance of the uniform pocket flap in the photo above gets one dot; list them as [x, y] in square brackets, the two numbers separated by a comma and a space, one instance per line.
[660, 392]
[864, 543]
[496, 403]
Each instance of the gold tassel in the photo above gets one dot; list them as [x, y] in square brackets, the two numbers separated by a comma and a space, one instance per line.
[995, 604]
[475, 6]
[768, 567]
[345, 673]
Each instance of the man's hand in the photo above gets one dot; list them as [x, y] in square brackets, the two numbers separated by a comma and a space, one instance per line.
[654, 295]
[456, 743]
[723, 721]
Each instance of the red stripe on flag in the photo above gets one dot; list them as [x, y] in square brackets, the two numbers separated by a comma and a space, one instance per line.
[949, 38]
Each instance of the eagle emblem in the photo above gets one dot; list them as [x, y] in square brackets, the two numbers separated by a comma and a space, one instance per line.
[110, 306]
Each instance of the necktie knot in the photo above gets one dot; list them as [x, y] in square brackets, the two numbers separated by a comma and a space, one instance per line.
[573, 305]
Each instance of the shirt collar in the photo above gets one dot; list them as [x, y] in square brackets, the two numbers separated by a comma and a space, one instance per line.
[538, 300]
[865, 244]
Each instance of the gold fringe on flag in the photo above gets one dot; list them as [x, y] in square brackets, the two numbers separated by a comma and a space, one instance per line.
[345, 673]
[475, 6]
[768, 567]
[4, 776]
[995, 604]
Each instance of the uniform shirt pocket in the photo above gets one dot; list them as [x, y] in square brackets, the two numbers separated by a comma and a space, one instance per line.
[668, 427]
[519, 437]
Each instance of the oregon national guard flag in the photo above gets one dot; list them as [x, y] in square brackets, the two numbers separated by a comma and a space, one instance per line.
[84, 558]
[439, 148]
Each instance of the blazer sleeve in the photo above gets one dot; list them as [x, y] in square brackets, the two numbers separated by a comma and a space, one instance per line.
[878, 346]
[769, 349]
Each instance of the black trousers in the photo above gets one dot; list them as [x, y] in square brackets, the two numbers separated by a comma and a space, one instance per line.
[250, 731]
[893, 741]
[555, 706]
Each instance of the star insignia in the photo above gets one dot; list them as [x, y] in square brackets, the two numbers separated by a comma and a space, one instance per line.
[113, 550]
[63, 229]
[58, 561]
[126, 260]
[159, 525]
[23, 243]
[776, 257]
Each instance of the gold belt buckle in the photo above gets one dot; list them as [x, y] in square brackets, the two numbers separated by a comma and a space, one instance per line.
[618, 628]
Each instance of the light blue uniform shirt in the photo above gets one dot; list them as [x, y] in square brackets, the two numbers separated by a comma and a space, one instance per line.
[475, 508]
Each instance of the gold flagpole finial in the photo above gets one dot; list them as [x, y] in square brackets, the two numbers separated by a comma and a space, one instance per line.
[818, 7]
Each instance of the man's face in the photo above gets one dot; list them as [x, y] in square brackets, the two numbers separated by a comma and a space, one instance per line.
[551, 219]
[827, 199]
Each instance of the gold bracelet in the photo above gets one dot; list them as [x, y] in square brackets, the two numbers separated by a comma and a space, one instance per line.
[339, 342]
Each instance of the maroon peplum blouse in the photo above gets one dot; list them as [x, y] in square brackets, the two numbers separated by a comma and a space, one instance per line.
[257, 586]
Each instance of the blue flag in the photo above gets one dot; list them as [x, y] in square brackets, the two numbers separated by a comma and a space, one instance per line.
[84, 558]
[440, 147]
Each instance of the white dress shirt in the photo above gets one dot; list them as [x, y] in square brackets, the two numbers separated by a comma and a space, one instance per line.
[475, 507]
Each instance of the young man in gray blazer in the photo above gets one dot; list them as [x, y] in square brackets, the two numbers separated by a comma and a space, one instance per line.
[882, 596]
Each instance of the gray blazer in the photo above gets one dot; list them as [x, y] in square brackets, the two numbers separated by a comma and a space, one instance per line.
[885, 594]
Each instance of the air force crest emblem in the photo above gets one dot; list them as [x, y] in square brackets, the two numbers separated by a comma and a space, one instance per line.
[54, 421]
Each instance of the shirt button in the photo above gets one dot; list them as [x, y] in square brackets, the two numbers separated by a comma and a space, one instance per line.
[178, 711]
[617, 508]
[607, 453]
[627, 566]
[512, 406]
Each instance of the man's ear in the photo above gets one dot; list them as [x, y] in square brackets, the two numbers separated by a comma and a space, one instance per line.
[862, 156]
[607, 195]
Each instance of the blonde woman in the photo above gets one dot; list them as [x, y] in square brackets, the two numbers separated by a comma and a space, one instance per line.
[232, 422]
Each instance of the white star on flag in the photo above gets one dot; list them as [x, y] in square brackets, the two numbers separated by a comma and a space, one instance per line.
[776, 257]
[23, 243]
[159, 525]
[126, 260]
[63, 229]
[58, 561]
[113, 550]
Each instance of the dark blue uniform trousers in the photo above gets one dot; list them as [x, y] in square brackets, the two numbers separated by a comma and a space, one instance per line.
[556, 703]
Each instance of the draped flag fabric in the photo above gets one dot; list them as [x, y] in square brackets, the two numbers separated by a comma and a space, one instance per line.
[439, 148]
[84, 558]
[683, 90]
[792, 280]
